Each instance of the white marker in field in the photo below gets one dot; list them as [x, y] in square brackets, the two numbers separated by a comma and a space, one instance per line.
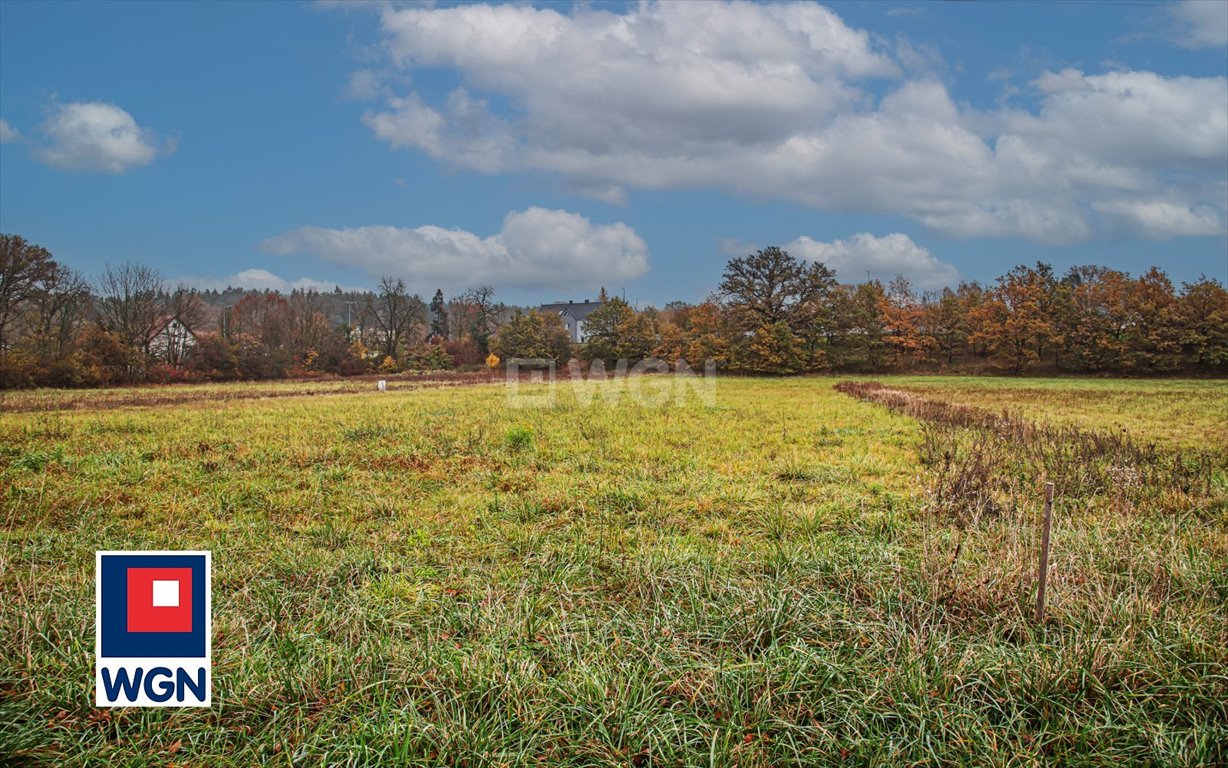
[383, 385]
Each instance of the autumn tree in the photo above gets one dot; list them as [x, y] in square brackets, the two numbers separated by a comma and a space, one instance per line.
[671, 343]
[945, 319]
[860, 332]
[23, 266]
[1017, 321]
[255, 327]
[903, 316]
[770, 286]
[474, 315]
[706, 335]
[1092, 317]
[614, 331]
[257, 315]
[533, 335]
[639, 336]
[774, 349]
[1201, 320]
[58, 307]
[185, 305]
[306, 329]
[213, 358]
[1153, 339]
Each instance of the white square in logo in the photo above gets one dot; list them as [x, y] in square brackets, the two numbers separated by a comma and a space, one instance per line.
[165, 594]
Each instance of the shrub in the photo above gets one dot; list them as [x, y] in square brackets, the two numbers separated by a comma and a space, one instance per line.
[431, 357]
[464, 352]
[162, 373]
[213, 358]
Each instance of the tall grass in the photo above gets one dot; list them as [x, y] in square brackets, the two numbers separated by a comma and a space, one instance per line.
[430, 578]
[1139, 557]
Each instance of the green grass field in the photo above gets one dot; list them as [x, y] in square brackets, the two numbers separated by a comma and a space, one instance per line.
[431, 577]
[1182, 412]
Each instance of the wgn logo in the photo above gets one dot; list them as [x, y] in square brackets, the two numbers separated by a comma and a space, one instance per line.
[153, 629]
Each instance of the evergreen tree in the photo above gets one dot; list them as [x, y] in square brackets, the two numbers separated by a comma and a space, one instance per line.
[439, 316]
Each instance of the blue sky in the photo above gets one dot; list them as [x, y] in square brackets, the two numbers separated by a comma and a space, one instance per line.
[552, 149]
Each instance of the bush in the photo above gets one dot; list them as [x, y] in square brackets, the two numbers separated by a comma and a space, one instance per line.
[213, 358]
[106, 360]
[162, 373]
[256, 361]
[464, 352]
[431, 357]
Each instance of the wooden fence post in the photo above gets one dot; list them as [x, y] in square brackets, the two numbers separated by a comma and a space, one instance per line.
[1044, 555]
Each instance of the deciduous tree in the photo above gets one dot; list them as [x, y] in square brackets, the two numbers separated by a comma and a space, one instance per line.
[130, 303]
[615, 331]
[770, 286]
[23, 266]
[533, 335]
[396, 316]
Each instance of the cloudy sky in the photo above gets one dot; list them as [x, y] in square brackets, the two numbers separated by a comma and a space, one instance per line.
[551, 149]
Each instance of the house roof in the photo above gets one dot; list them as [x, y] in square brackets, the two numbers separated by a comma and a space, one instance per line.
[577, 309]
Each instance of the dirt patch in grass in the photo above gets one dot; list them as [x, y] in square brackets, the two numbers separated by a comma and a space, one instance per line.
[180, 394]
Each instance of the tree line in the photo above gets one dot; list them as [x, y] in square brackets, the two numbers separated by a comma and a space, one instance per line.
[58, 328]
[776, 314]
[771, 314]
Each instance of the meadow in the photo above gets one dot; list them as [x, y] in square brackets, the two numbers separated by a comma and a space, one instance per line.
[1178, 412]
[785, 575]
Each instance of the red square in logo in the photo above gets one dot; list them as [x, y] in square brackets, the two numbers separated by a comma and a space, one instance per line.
[159, 599]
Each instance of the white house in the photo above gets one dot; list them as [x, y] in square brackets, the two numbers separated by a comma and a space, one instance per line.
[573, 314]
[171, 340]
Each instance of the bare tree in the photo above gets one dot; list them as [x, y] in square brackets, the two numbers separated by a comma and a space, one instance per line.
[59, 305]
[482, 313]
[460, 315]
[23, 266]
[395, 314]
[186, 306]
[486, 311]
[129, 303]
[256, 315]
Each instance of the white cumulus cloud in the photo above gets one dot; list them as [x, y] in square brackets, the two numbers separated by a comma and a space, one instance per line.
[882, 258]
[96, 136]
[782, 101]
[1201, 23]
[536, 248]
[7, 132]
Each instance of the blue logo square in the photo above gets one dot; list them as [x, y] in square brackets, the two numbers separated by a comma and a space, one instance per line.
[116, 639]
